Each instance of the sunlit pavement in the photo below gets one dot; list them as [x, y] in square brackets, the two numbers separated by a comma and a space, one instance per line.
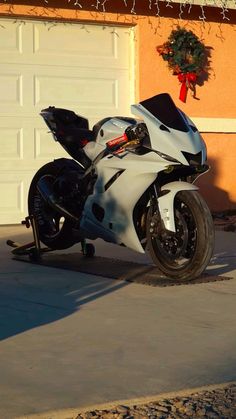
[72, 340]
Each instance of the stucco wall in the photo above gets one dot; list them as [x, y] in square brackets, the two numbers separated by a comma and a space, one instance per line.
[216, 95]
[216, 98]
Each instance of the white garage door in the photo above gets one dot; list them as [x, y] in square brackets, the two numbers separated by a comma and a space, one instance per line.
[88, 69]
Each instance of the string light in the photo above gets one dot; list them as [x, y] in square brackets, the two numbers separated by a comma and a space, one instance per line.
[203, 16]
[133, 7]
[168, 4]
[101, 5]
[224, 10]
[181, 10]
[190, 6]
[96, 5]
[76, 3]
[158, 8]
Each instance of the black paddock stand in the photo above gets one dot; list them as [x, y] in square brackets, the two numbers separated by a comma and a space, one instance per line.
[34, 250]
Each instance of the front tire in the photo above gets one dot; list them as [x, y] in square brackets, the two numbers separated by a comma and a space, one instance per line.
[55, 231]
[185, 254]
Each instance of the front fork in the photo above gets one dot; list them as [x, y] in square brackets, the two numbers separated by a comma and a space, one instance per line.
[164, 197]
[155, 220]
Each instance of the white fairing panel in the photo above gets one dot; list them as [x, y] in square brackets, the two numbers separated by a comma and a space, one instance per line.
[109, 130]
[171, 142]
[117, 225]
[119, 199]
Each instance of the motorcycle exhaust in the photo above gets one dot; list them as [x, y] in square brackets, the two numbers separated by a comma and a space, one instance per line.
[45, 189]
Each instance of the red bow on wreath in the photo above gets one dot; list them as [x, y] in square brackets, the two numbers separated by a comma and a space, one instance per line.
[187, 58]
[188, 81]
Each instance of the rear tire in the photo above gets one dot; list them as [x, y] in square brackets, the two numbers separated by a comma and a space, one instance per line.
[54, 231]
[185, 254]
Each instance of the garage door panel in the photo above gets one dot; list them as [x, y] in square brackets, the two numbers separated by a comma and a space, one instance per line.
[82, 91]
[11, 38]
[76, 45]
[12, 192]
[80, 45]
[16, 87]
[14, 189]
[26, 144]
[75, 90]
[16, 42]
[82, 68]
[11, 144]
[11, 89]
[45, 147]
[30, 90]
[12, 196]
[76, 42]
[16, 143]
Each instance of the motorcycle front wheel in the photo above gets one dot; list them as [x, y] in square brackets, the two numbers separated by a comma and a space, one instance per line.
[185, 254]
[55, 231]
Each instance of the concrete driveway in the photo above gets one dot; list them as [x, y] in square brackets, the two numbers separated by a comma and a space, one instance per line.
[72, 340]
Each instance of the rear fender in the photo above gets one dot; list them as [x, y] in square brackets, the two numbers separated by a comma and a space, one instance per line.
[166, 201]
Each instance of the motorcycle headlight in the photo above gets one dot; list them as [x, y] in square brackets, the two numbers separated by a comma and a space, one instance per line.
[193, 159]
[166, 157]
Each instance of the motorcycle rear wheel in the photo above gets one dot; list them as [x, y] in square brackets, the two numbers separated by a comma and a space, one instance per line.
[55, 231]
[185, 254]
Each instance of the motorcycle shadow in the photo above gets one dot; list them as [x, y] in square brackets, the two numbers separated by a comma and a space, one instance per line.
[222, 263]
[122, 270]
[32, 296]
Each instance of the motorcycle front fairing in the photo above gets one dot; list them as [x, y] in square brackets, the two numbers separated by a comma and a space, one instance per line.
[108, 211]
[171, 132]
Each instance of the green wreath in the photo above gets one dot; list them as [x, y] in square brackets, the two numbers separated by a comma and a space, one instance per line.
[187, 58]
[184, 52]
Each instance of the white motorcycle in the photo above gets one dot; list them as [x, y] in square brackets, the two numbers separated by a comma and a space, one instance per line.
[130, 182]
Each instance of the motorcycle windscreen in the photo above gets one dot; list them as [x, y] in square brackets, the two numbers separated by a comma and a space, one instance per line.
[163, 108]
[168, 129]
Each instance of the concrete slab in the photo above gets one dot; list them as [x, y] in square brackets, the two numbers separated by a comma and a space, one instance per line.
[72, 339]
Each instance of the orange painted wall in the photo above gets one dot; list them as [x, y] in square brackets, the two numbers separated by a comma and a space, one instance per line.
[216, 98]
[216, 95]
[218, 185]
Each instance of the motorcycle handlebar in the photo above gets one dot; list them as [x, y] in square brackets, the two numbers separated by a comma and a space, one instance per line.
[137, 132]
[133, 136]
